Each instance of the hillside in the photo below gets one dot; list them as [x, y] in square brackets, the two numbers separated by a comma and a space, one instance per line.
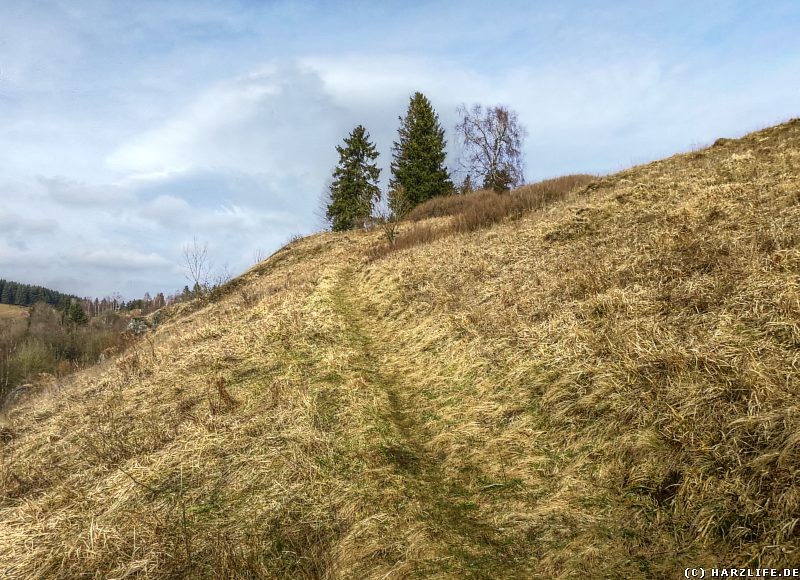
[15, 293]
[606, 388]
[9, 312]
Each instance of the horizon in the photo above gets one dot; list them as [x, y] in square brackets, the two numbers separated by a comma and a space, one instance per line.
[131, 128]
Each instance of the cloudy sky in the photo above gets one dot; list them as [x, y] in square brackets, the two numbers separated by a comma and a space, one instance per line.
[128, 128]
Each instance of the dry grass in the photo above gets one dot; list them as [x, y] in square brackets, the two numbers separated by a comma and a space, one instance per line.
[9, 312]
[608, 387]
[525, 198]
[480, 209]
[633, 354]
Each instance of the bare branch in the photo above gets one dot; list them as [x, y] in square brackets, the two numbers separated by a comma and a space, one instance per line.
[196, 264]
[492, 145]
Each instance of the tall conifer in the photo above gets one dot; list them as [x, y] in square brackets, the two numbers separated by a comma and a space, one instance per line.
[8, 294]
[418, 156]
[354, 188]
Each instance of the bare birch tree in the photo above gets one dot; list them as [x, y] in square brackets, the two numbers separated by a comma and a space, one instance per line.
[196, 264]
[492, 140]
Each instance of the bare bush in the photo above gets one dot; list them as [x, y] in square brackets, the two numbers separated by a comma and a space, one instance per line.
[197, 265]
[259, 255]
[221, 276]
[420, 234]
[389, 219]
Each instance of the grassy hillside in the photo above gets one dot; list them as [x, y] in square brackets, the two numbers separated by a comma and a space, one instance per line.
[9, 312]
[605, 388]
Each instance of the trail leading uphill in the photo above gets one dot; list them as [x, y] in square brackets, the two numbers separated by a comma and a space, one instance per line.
[607, 387]
[438, 508]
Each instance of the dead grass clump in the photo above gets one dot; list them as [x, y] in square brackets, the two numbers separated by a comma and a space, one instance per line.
[414, 236]
[442, 206]
[484, 210]
[219, 399]
[479, 209]
[487, 207]
[543, 193]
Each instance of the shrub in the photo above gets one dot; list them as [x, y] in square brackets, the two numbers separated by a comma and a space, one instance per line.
[444, 205]
[481, 209]
[534, 196]
[419, 234]
[32, 357]
[490, 207]
[42, 344]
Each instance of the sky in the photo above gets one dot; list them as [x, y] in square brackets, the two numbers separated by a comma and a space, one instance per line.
[130, 128]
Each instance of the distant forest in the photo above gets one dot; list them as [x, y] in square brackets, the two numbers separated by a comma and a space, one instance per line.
[19, 294]
[61, 333]
[28, 295]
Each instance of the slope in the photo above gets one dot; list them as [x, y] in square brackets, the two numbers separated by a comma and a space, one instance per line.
[605, 388]
[10, 312]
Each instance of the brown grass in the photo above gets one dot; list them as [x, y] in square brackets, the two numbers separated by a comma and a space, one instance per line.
[8, 311]
[480, 209]
[529, 197]
[607, 388]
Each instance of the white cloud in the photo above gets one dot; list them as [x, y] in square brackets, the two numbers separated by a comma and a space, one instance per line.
[166, 209]
[269, 120]
[14, 257]
[70, 192]
[120, 259]
[11, 223]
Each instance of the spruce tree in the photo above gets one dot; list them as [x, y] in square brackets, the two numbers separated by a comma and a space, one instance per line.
[354, 188]
[77, 314]
[9, 291]
[21, 296]
[418, 156]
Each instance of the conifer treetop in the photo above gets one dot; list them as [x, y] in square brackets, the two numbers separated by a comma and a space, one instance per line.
[354, 188]
[419, 153]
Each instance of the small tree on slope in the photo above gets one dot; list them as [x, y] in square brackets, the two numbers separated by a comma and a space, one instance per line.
[418, 156]
[354, 188]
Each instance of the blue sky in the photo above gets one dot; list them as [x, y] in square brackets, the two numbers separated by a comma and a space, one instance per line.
[128, 128]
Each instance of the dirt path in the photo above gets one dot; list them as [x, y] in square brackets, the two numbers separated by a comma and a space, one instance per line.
[445, 506]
